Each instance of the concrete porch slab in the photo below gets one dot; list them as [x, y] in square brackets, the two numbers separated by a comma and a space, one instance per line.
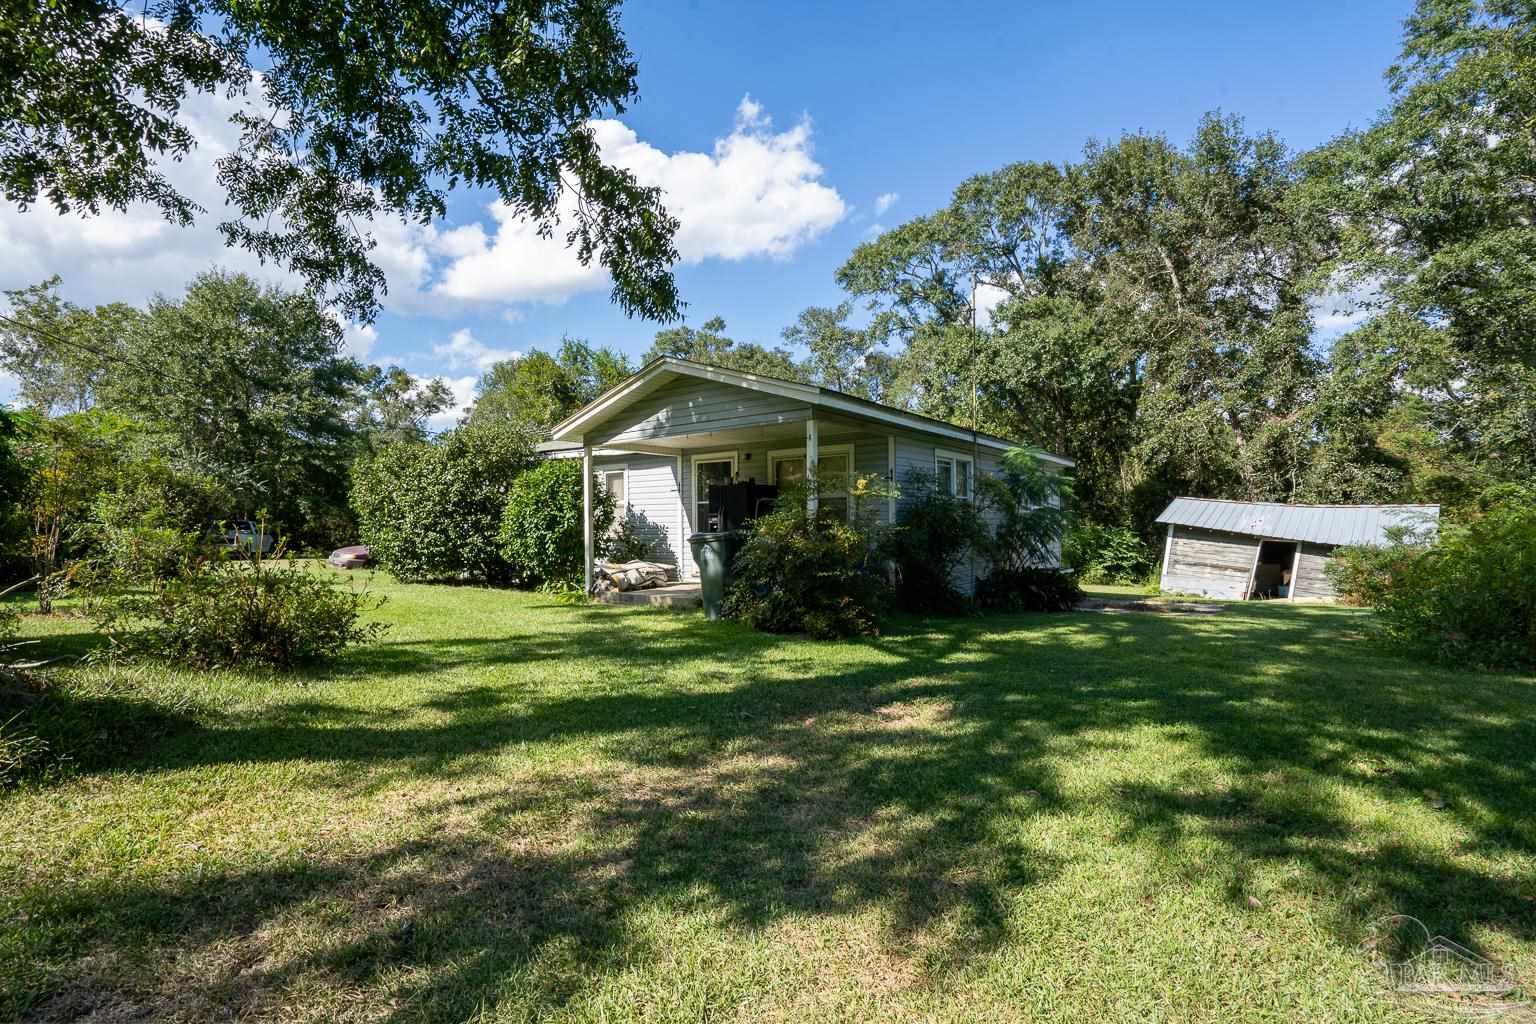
[681, 596]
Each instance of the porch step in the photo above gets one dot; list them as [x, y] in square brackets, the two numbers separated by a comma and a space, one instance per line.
[674, 595]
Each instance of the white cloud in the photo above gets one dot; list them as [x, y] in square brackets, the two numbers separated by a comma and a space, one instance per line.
[756, 194]
[885, 201]
[463, 350]
[1341, 309]
[512, 263]
[988, 298]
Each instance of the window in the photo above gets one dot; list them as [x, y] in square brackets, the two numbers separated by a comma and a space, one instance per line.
[834, 464]
[954, 474]
[616, 483]
[709, 470]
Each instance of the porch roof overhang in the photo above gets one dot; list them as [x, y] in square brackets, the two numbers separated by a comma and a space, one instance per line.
[830, 407]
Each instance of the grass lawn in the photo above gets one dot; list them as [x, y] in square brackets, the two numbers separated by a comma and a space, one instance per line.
[516, 810]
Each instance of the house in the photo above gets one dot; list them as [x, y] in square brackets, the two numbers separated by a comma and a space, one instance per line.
[662, 438]
[1242, 549]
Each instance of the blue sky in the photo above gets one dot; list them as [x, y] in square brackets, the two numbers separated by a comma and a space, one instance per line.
[778, 128]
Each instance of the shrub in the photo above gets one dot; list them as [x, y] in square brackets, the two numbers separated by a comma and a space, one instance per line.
[432, 511]
[626, 544]
[1363, 574]
[1029, 589]
[541, 535]
[225, 614]
[1106, 554]
[932, 534]
[150, 523]
[1471, 598]
[799, 574]
[1025, 502]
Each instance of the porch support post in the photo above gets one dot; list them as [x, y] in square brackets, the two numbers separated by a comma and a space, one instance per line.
[812, 442]
[890, 476]
[586, 513]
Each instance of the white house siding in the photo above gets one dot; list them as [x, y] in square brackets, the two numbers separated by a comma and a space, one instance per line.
[653, 504]
[690, 405]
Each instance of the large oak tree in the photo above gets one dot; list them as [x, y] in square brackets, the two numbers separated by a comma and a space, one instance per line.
[361, 109]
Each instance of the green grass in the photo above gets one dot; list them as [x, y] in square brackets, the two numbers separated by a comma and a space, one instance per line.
[517, 810]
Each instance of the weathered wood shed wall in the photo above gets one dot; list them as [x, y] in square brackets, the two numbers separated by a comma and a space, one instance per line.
[1212, 563]
[1311, 582]
[1208, 562]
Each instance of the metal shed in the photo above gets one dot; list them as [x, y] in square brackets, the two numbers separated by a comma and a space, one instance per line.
[1242, 549]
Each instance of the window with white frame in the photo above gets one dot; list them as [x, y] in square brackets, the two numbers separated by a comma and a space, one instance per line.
[954, 474]
[616, 483]
[834, 464]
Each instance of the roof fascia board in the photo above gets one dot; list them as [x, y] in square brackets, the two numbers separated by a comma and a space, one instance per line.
[572, 427]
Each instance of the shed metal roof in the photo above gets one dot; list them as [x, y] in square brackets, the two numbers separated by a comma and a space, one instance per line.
[1316, 524]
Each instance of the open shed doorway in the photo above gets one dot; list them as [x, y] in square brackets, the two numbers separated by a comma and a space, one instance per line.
[1274, 571]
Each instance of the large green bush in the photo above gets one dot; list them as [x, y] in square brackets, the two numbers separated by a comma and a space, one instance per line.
[1362, 575]
[432, 511]
[803, 574]
[1471, 598]
[236, 613]
[933, 532]
[1106, 554]
[541, 535]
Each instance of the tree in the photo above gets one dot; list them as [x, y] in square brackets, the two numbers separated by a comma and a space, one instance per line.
[1148, 314]
[57, 351]
[394, 406]
[367, 109]
[69, 459]
[1440, 223]
[843, 358]
[709, 344]
[539, 390]
[250, 382]
[13, 492]
[1204, 261]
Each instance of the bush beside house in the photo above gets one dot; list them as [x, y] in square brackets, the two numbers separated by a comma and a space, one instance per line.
[541, 531]
[1106, 554]
[932, 534]
[433, 510]
[799, 573]
[829, 577]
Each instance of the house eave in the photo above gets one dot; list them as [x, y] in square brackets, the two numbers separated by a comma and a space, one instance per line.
[574, 427]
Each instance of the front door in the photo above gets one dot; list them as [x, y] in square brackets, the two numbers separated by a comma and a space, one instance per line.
[709, 470]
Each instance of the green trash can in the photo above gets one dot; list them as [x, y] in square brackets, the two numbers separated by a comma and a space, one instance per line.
[713, 553]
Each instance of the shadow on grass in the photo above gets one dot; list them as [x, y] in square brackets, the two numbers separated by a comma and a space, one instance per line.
[778, 780]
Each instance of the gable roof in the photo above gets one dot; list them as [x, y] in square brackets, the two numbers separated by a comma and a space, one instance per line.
[1316, 524]
[659, 371]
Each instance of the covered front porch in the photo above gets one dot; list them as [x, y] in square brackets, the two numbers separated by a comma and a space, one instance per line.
[666, 436]
[773, 455]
